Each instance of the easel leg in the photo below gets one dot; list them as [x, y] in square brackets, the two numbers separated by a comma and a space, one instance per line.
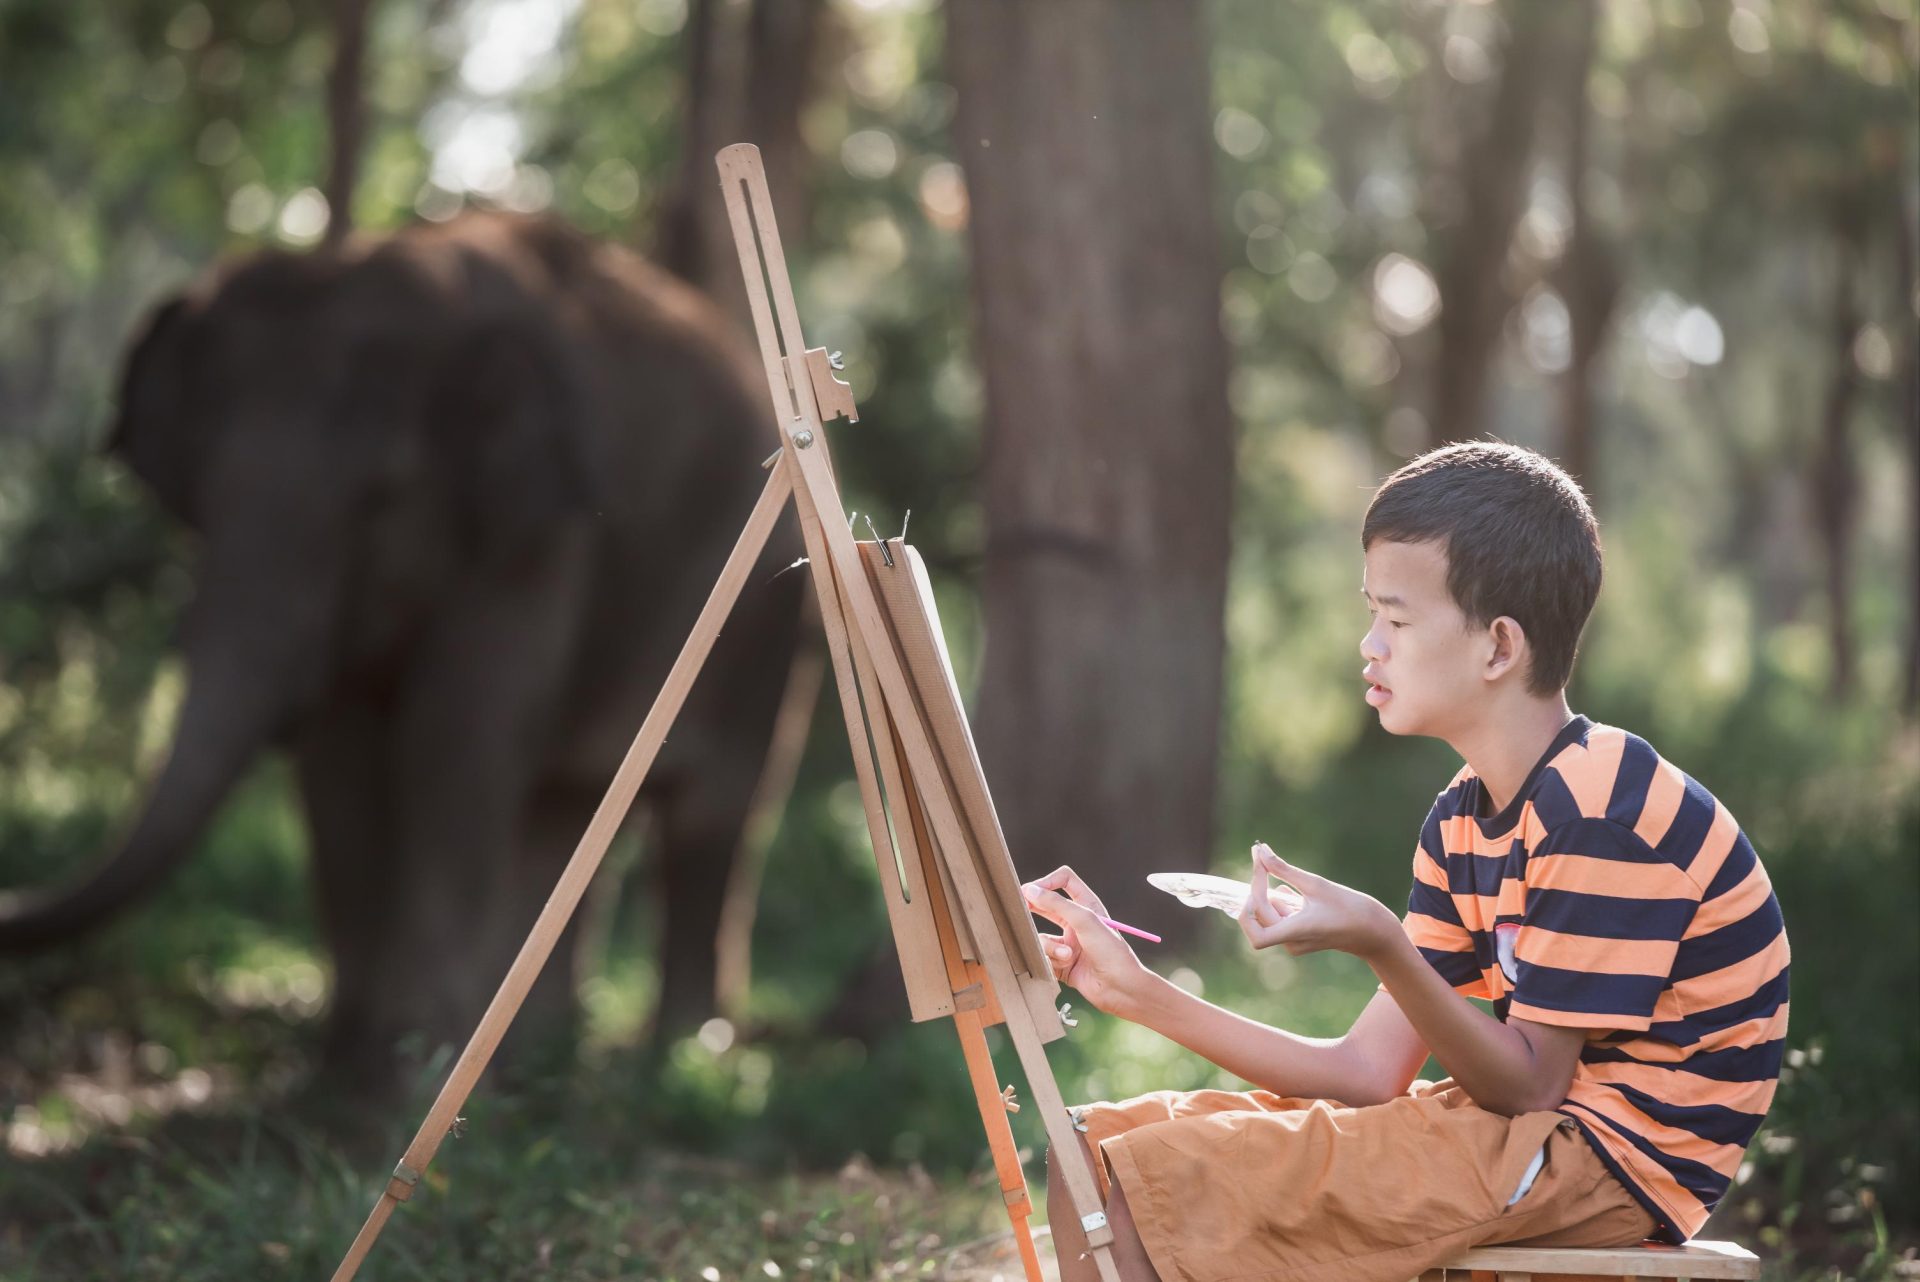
[993, 1115]
[1081, 1189]
[578, 872]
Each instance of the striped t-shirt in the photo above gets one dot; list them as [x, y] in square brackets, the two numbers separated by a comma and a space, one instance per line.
[1614, 894]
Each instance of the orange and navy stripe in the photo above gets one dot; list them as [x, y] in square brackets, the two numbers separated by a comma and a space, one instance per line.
[1635, 908]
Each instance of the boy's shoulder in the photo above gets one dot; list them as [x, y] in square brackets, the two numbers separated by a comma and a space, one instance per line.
[1601, 781]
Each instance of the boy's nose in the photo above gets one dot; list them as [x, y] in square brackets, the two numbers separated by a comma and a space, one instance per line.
[1371, 648]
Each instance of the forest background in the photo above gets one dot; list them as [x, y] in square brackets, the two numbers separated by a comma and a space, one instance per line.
[1670, 242]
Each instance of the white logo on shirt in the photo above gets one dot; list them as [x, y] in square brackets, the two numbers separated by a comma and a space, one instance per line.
[1505, 935]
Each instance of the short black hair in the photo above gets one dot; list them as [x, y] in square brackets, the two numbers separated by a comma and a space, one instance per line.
[1519, 536]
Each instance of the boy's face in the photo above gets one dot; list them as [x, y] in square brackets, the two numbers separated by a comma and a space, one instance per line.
[1424, 661]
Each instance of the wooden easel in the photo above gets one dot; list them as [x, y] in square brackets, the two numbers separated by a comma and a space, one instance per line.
[912, 753]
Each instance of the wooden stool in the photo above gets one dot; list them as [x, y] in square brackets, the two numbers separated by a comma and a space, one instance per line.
[1525, 1263]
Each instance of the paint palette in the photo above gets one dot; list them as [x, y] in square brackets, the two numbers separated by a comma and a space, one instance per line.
[1203, 890]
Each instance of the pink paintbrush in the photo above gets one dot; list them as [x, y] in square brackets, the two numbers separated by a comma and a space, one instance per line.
[1147, 935]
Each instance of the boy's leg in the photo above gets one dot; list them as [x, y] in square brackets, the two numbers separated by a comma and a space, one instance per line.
[1070, 1244]
[1321, 1193]
[1229, 1184]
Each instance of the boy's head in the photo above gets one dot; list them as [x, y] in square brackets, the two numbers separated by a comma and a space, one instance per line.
[1482, 564]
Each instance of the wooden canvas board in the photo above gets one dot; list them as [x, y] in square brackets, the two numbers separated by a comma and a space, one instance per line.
[906, 595]
[911, 909]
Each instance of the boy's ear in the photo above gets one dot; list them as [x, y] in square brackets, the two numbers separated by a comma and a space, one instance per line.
[1510, 648]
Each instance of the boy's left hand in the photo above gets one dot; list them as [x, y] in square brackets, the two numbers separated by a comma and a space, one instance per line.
[1330, 916]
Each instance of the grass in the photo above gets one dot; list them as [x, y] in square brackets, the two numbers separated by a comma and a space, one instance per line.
[264, 1199]
[745, 1162]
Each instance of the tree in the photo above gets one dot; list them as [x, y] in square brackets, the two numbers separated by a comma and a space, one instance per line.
[1588, 275]
[346, 115]
[1833, 476]
[1476, 192]
[1107, 451]
[748, 73]
[1907, 424]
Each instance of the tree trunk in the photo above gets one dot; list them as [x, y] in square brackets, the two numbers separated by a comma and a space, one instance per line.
[748, 77]
[1908, 427]
[1108, 445]
[1473, 211]
[1589, 276]
[1836, 487]
[1910, 433]
[346, 115]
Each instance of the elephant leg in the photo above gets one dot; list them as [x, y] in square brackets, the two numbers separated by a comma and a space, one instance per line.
[724, 736]
[338, 758]
[546, 1027]
[701, 818]
[475, 724]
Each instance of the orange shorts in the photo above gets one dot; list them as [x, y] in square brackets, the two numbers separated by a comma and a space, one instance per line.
[1252, 1186]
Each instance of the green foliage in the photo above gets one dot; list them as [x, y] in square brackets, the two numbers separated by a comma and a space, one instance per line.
[141, 1091]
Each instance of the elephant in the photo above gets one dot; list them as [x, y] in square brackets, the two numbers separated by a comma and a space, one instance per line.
[458, 493]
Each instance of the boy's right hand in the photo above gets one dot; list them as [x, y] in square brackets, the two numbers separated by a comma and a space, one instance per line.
[1087, 953]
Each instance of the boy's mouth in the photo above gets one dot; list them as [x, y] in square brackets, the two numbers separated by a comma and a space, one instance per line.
[1377, 694]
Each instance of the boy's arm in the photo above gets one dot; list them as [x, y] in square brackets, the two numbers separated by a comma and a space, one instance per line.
[1373, 1063]
[1516, 1067]
[1511, 1068]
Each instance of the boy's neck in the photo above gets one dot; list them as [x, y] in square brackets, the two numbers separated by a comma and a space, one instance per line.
[1503, 747]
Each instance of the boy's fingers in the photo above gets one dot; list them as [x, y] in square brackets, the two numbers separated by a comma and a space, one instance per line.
[1300, 877]
[1258, 907]
[1281, 931]
[1261, 935]
[1060, 910]
[1042, 903]
[1065, 879]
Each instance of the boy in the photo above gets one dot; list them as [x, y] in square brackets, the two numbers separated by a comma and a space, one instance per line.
[1604, 902]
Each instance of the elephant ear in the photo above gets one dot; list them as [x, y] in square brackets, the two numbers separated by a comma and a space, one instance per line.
[505, 422]
[153, 431]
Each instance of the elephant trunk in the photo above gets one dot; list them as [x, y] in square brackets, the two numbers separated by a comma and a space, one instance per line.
[228, 715]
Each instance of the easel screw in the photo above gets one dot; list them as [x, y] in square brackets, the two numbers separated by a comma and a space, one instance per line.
[834, 361]
[803, 438]
[1067, 1019]
[1006, 1097]
[458, 1128]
